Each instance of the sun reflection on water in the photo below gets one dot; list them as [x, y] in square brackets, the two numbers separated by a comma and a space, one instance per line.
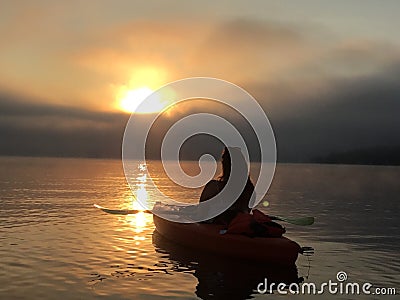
[139, 221]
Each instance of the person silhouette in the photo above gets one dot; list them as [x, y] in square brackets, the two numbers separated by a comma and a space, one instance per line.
[215, 186]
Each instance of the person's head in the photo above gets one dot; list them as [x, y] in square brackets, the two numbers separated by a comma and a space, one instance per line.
[226, 164]
[226, 161]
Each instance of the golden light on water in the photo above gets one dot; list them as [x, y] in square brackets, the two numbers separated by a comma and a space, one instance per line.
[140, 220]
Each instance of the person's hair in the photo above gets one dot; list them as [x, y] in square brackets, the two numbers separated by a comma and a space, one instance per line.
[226, 165]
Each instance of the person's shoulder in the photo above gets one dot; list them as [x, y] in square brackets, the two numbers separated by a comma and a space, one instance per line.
[210, 190]
[213, 182]
[249, 182]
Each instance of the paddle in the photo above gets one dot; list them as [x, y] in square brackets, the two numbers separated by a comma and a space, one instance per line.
[303, 221]
[121, 211]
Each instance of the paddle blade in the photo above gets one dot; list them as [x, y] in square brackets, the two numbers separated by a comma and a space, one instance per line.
[117, 211]
[303, 221]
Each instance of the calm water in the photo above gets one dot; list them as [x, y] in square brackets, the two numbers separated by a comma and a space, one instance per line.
[55, 245]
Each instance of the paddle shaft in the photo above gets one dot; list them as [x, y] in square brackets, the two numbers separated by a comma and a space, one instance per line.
[303, 221]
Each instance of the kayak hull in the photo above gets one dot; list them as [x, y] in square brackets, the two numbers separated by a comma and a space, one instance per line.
[207, 238]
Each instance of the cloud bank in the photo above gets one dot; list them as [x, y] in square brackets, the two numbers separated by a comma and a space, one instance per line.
[322, 92]
[353, 114]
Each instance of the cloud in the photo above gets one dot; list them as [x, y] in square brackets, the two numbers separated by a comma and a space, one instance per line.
[346, 115]
[83, 59]
[246, 52]
[29, 128]
[353, 114]
[321, 91]
[236, 50]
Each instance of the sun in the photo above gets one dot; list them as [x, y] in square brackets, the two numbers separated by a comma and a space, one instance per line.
[131, 99]
[138, 101]
[133, 95]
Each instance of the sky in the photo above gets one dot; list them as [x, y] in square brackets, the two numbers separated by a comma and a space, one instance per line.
[325, 72]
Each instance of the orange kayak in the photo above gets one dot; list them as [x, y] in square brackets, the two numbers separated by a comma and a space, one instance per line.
[207, 238]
